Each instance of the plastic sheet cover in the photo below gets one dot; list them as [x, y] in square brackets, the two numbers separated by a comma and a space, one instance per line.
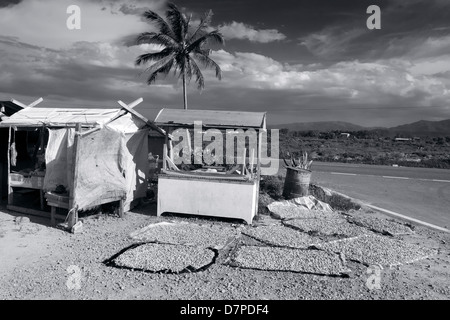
[109, 161]
[102, 158]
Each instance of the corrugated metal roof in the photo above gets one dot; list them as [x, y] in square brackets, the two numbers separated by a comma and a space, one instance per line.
[211, 118]
[59, 117]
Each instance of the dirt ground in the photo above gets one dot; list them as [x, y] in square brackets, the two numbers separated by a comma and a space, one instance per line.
[38, 261]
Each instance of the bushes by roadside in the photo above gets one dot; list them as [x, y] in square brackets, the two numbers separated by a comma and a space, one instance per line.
[271, 189]
[272, 186]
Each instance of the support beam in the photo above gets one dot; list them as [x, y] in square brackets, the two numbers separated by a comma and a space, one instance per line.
[165, 155]
[35, 103]
[73, 212]
[244, 168]
[10, 190]
[139, 116]
[131, 105]
[31, 105]
[258, 165]
[20, 104]
[252, 161]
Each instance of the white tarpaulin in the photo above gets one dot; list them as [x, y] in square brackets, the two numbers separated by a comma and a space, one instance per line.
[136, 168]
[301, 208]
[307, 202]
[109, 161]
[58, 159]
[102, 158]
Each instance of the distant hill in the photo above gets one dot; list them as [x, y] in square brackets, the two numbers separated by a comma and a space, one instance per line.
[424, 128]
[419, 128]
[320, 126]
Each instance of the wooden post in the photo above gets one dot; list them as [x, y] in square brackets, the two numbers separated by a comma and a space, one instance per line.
[171, 150]
[170, 147]
[188, 136]
[243, 161]
[41, 137]
[73, 219]
[1, 182]
[252, 161]
[9, 188]
[121, 207]
[165, 154]
[258, 168]
[52, 215]
[41, 199]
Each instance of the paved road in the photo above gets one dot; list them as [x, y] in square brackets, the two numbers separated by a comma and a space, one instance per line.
[419, 193]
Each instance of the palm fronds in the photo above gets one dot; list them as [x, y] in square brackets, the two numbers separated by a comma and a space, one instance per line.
[183, 49]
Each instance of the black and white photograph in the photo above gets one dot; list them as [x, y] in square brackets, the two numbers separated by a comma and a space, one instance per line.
[224, 155]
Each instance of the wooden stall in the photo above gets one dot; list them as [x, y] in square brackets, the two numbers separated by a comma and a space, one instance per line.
[227, 187]
[69, 142]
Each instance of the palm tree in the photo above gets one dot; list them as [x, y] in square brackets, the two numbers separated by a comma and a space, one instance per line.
[183, 47]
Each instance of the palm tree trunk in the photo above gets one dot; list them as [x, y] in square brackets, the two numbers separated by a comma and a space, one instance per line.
[184, 89]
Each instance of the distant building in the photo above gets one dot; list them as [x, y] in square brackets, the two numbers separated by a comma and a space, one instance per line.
[402, 139]
[344, 134]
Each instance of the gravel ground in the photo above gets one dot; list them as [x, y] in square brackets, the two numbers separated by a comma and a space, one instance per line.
[336, 227]
[291, 212]
[279, 235]
[208, 235]
[40, 262]
[384, 226]
[165, 258]
[378, 250]
[284, 259]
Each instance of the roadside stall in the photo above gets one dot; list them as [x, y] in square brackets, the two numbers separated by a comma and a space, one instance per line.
[226, 187]
[76, 159]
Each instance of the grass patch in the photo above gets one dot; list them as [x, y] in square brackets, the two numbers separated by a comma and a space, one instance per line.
[272, 186]
[336, 201]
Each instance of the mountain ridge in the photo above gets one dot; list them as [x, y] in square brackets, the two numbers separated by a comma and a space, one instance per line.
[418, 128]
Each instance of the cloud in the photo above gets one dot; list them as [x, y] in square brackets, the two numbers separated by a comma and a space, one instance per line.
[85, 71]
[9, 3]
[239, 30]
[100, 71]
[43, 23]
[333, 42]
[357, 69]
[406, 32]
[381, 82]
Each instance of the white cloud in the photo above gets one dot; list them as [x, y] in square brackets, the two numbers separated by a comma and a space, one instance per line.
[379, 82]
[86, 70]
[43, 23]
[239, 30]
[331, 42]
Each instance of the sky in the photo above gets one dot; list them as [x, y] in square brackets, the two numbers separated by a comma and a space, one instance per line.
[297, 60]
